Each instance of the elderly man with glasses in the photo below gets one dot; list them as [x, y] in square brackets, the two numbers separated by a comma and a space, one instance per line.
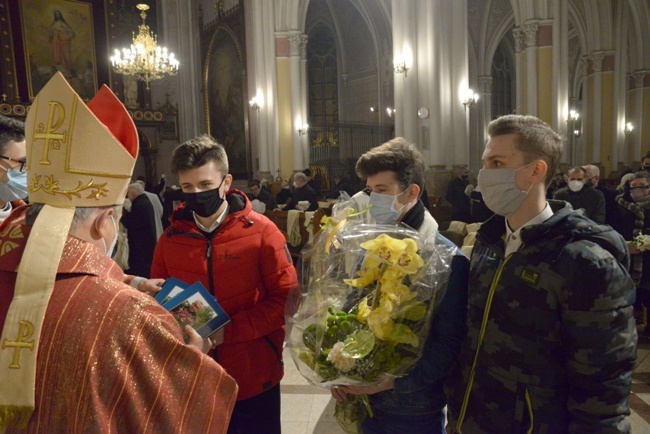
[13, 178]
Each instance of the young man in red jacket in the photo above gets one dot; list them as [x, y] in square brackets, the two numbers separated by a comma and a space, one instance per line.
[242, 258]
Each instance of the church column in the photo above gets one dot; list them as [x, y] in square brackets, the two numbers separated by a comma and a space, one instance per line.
[484, 118]
[639, 115]
[262, 86]
[599, 122]
[176, 17]
[520, 69]
[298, 92]
[532, 73]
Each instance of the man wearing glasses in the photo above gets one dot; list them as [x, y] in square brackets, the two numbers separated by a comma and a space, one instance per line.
[13, 178]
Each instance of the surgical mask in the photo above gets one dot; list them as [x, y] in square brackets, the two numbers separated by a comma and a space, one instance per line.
[205, 203]
[576, 185]
[639, 194]
[16, 186]
[500, 193]
[295, 185]
[382, 208]
[109, 251]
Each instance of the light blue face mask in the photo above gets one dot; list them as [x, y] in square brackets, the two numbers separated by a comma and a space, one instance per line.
[16, 186]
[382, 208]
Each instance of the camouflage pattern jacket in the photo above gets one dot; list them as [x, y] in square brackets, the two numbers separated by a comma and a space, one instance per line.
[551, 344]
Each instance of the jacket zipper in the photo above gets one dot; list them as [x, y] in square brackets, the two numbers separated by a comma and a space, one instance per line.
[486, 316]
[529, 405]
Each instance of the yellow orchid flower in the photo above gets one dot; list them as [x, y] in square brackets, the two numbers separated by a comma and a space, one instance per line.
[367, 276]
[387, 248]
[364, 311]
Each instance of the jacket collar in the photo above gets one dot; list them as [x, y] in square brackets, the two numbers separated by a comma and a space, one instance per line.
[415, 216]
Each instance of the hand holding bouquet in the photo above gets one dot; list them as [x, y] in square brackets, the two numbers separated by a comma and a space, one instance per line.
[369, 293]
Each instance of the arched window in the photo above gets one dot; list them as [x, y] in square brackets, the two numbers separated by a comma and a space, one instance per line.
[502, 93]
[322, 78]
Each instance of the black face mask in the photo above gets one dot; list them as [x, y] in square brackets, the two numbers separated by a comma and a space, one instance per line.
[205, 203]
[646, 168]
[464, 177]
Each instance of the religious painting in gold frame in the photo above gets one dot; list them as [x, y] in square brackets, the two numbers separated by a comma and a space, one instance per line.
[224, 99]
[58, 35]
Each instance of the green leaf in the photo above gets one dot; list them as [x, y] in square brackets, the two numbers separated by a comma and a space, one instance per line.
[404, 335]
[412, 310]
[358, 345]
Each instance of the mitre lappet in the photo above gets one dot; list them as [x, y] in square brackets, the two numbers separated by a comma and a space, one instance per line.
[78, 155]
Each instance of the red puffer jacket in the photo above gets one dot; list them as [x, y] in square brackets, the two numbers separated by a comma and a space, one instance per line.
[246, 265]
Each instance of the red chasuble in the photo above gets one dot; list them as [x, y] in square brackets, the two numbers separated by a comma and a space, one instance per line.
[111, 359]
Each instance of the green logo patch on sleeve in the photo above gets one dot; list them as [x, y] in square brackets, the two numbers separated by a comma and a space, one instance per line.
[530, 277]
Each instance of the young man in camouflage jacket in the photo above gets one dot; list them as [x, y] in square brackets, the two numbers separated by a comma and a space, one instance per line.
[551, 344]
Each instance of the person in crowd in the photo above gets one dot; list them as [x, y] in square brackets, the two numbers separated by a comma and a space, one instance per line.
[551, 343]
[13, 178]
[456, 195]
[480, 212]
[558, 182]
[82, 351]
[263, 195]
[284, 194]
[580, 194]
[264, 184]
[140, 224]
[611, 209]
[241, 257]
[645, 162]
[394, 174]
[341, 183]
[157, 205]
[173, 194]
[302, 192]
[314, 182]
[634, 219]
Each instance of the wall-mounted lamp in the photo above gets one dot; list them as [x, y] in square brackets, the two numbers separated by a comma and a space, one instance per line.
[303, 130]
[256, 102]
[372, 109]
[576, 133]
[390, 112]
[400, 67]
[629, 127]
[573, 116]
[470, 99]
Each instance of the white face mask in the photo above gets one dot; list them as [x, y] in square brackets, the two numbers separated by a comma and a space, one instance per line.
[109, 251]
[499, 190]
[16, 186]
[382, 208]
[576, 185]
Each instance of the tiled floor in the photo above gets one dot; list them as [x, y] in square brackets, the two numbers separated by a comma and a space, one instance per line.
[308, 409]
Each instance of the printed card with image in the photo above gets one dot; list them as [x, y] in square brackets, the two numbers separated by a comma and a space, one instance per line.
[196, 307]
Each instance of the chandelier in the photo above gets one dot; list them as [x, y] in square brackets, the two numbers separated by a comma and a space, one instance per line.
[145, 59]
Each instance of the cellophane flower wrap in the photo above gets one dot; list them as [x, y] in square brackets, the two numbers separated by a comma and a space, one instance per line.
[364, 311]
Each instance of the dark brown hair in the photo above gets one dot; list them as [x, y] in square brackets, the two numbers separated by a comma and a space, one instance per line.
[398, 156]
[11, 130]
[198, 152]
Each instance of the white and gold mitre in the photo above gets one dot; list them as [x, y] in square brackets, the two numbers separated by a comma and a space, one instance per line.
[78, 155]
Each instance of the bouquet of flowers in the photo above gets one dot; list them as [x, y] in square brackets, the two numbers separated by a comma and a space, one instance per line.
[641, 242]
[368, 295]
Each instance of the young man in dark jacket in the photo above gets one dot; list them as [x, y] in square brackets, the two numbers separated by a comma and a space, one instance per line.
[242, 258]
[414, 403]
[551, 344]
